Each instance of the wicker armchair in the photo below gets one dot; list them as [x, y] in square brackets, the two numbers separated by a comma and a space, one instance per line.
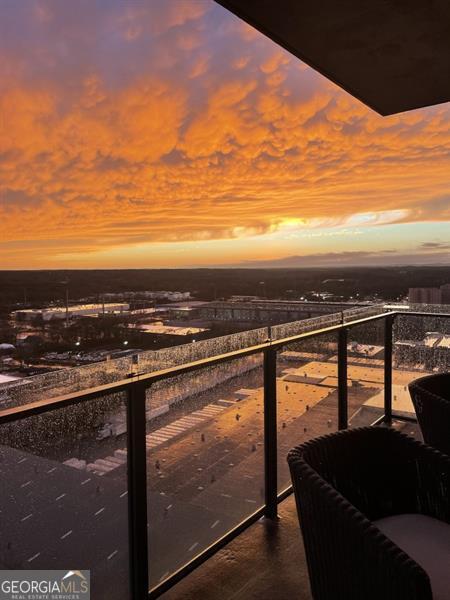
[431, 399]
[347, 487]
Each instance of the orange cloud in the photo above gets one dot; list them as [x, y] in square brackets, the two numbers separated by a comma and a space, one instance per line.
[225, 134]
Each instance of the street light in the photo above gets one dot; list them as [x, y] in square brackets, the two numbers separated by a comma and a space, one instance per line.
[125, 343]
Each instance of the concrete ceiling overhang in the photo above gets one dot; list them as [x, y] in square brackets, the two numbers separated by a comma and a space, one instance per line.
[393, 55]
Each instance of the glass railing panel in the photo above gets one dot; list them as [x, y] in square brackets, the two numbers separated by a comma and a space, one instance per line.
[205, 459]
[63, 494]
[421, 346]
[307, 397]
[287, 330]
[365, 373]
[427, 308]
[363, 312]
[66, 380]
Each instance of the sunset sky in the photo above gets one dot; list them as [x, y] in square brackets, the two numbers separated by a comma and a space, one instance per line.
[167, 133]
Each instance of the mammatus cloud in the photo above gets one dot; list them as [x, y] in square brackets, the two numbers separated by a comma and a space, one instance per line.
[134, 123]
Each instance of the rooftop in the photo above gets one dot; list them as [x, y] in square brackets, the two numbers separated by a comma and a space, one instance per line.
[159, 328]
[74, 308]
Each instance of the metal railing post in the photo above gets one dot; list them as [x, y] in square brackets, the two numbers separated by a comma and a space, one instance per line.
[342, 380]
[389, 320]
[137, 492]
[270, 433]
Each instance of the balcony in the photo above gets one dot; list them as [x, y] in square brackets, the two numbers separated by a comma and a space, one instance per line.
[144, 471]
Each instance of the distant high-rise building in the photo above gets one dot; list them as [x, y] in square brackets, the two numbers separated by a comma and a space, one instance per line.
[425, 295]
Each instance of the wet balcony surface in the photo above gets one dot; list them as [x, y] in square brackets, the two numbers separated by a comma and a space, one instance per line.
[266, 562]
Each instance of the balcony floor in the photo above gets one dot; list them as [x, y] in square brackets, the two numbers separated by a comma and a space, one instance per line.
[266, 562]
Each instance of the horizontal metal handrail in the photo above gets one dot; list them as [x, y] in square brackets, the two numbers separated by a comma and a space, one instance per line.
[41, 406]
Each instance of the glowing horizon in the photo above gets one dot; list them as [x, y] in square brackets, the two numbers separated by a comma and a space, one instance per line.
[171, 134]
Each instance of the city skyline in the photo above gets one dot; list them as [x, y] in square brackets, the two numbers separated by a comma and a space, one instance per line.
[170, 134]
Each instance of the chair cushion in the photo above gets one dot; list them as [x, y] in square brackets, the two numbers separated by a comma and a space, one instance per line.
[427, 542]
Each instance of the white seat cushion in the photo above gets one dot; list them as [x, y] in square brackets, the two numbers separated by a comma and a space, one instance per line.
[427, 542]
